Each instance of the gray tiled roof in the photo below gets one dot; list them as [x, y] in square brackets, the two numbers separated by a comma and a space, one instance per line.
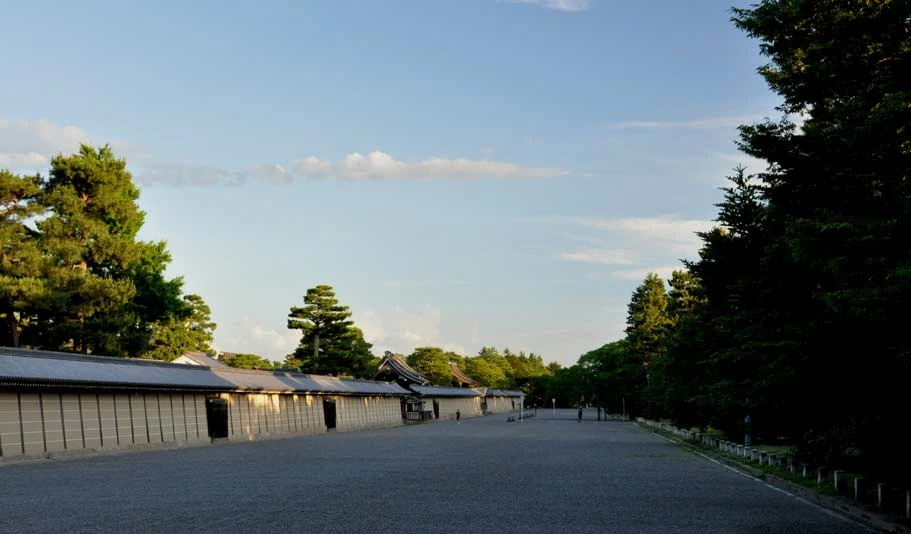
[201, 358]
[440, 391]
[397, 365]
[21, 367]
[503, 393]
[460, 376]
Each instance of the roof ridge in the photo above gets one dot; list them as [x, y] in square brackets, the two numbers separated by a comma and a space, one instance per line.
[99, 358]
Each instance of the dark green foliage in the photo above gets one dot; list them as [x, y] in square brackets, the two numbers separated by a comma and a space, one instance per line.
[330, 343]
[794, 312]
[73, 275]
[615, 376]
[646, 319]
[188, 328]
[490, 367]
[20, 256]
[249, 361]
[433, 363]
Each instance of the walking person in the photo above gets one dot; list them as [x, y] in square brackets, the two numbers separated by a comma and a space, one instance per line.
[580, 414]
[458, 417]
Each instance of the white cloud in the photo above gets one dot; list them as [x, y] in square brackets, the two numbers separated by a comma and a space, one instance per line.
[380, 165]
[557, 5]
[40, 136]
[400, 330]
[253, 337]
[703, 123]
[374, 166]
[645, 244]
[177, 174]
[271, 173]
[666, 232]
[23, 161]
[601, 256]
[29, 145]
[312, 167]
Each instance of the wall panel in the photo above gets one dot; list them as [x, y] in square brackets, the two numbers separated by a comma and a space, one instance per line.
[10, 431]
[91, 428]
[72, 421]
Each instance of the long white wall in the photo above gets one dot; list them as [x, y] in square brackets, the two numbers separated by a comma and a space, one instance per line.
[503, 404]
[250, 415]
[467, 406]
[355, 413]
[38, 423]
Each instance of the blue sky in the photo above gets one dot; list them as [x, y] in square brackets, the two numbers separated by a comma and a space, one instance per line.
[465, 173]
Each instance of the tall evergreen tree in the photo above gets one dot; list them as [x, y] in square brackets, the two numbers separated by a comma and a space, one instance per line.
[839, 212]
[646, 319]
[20, 257]
[90, 240]
[330, 343]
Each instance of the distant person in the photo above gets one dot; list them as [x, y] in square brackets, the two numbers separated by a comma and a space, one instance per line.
[458, 417]
[580, 414]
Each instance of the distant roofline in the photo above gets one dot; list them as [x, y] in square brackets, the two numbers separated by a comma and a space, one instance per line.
[184, 368]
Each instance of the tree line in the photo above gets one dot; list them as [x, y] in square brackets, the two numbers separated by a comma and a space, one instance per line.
[74, 276]
[331, 344]
[790, 325]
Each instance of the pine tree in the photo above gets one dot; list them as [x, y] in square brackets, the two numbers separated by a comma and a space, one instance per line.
[20, 257]
[89, 238]
[330, 343]
[646, 319]
[839, 212]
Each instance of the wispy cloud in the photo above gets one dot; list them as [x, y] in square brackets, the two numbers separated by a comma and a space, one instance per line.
[601, 256]
[557, 5]
[253, 337]
[30, 145]
[401, 330]
[666, 232]
[701, 123]
[642, 244]
[23, 160]
[376, 165]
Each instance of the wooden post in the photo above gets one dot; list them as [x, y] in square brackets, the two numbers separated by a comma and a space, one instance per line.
[880, 495]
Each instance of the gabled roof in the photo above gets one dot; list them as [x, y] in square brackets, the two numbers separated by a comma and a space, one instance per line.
[393, 365]
[461, 377]
[31, 368]
[199, 358]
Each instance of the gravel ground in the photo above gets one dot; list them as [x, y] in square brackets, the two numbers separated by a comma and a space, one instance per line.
[546, 474]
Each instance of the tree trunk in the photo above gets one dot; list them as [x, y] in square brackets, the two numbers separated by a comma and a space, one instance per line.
[315, 347]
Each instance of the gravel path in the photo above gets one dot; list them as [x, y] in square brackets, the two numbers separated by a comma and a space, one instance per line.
[547, 474]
